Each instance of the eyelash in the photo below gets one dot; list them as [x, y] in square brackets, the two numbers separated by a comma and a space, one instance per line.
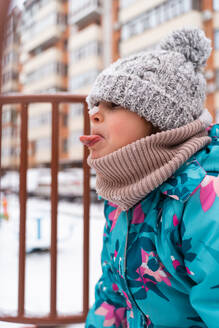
[114, 105]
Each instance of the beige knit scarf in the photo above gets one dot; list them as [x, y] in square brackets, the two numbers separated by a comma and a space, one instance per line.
[128, 174]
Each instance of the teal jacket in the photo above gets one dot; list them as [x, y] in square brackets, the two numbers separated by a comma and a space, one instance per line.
[160, 259]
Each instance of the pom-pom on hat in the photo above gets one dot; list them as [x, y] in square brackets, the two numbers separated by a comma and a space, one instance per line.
[166, 86]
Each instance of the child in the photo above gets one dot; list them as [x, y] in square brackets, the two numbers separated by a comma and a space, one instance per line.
[157, 171]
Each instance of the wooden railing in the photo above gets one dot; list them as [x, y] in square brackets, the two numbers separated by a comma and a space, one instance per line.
[53, 317]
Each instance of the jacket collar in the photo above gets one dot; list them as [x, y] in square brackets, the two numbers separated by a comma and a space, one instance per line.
[185, 181]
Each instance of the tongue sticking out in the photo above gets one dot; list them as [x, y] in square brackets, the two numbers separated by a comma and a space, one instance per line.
[90, 140]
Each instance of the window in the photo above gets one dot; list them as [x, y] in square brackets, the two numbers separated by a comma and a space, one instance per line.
[196, 5]
[153, 17]
[169, 6]
[9, 116]
[139, 25]
[7, 131]
[14, 116]
[126, 3]
[38, 121]
[13, 151]
[76, 6]
[61, 69]
[10, 58]
[46, 70]
[64, 119]
[161, 14]
[82, 80]
[76, 110]
[216, 5]
[6, 116]
[6, 152]
[61, 19]
[158, 15]
[176, 8]
[43, 143]
[217, 78]
[89, 49]
[216, 39]
[217, 115]
[124, 32]
[9, 76]
[187, 5]
[65, 145]
[74, 137]
[31, 27]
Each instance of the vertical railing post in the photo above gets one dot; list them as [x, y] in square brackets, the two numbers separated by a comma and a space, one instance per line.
[54, 204]
[0, 148]
[86, 200]
[0, 142]
[23, 199]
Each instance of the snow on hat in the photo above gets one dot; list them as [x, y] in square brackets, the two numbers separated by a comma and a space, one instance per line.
[166, 86]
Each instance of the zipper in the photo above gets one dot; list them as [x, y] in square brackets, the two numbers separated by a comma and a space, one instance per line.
[124, 269]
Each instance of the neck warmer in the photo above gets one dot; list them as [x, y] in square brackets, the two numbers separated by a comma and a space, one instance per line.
[127, 175]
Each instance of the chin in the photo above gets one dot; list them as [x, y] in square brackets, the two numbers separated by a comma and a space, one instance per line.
[97, 154]
[94, 155]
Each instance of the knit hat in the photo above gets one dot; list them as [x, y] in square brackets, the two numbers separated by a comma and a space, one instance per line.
[166, 86]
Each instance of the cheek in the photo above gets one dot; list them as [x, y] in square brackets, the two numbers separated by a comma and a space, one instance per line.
[116, 129]
[122, 134]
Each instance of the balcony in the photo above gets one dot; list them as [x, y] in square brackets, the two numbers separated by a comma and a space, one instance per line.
[134, 9]
[151, 36]
[84, 12]
[81, 38]
[48, 82]
[10, 86]
[43, 27]
[44, 58]
[51, 34]
[216, 19]
[216, 59]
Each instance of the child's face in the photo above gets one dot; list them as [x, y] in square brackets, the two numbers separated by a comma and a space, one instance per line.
[118, 126]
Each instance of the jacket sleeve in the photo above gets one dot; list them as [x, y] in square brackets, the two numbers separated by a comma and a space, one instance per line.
[200, 246]
[109, 309]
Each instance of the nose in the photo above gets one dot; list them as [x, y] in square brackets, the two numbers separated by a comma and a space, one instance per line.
[96, 117]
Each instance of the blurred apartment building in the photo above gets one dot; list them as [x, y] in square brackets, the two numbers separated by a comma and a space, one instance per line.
[60, 50]
[85, 50]
[10, 83]
[65, 44]
[44, 60]
[144, 23]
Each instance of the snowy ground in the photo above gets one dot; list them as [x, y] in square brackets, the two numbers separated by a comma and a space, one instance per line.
[70, 255]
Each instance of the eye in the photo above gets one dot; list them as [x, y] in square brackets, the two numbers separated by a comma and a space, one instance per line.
[97, 104]
[114, 105]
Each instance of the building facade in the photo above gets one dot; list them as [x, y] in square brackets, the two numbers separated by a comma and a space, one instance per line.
[10, 83]
[44, 61]
[65, 44]
[85, 62]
